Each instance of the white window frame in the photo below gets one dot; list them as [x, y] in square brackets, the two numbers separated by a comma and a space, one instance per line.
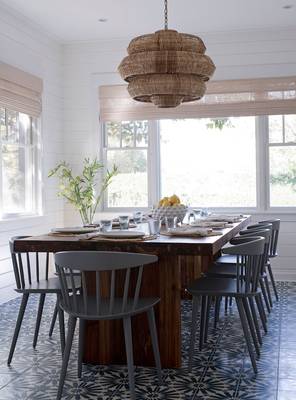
[154, 177]
[35, 182]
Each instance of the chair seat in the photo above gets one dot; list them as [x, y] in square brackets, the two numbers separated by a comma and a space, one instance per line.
[226, 259]
[52, 285]
[222, 270]
[216, 287]
[144, 304]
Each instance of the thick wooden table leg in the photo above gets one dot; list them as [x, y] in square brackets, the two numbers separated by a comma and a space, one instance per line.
[104, 340]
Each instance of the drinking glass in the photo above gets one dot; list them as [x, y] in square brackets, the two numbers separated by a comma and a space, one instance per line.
[197, 214]
[106, 225]
[204, 212]
[154, 226]
[170, 222]
[123, 221]
[137, 217]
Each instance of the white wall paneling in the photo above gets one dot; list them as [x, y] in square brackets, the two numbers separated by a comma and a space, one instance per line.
[24, 46]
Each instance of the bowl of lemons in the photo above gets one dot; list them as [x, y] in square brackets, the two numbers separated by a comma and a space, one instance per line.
[170, 207]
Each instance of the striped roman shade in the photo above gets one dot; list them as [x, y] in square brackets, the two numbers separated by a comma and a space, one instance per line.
[266, 96]
[20, 91]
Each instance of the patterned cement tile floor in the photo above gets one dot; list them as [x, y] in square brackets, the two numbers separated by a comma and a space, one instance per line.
[221, 371]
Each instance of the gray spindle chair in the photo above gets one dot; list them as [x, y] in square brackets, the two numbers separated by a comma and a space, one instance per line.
[228, 270]
[229, 259]
[273, 249]
[32, 277]
[92, 305]
[249, 253]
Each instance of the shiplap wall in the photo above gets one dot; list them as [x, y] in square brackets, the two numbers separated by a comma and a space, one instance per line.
[252, 54]
[28, 48]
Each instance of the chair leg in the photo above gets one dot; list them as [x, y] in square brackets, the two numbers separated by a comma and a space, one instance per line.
[244, 323]
[39, 316]
[154, 340]
[19, 321]
[62, 326]
[268, 291]
[217, 311]
[208, 309]
[251, 325]
[202, 321]
[53, 320]
[226, 305]
[273, 281]
[263, 290]
[255, 319]
[81, 345]
[195, 303]
[129, 355]
[230, 302]
[261, 311]
[66, 355]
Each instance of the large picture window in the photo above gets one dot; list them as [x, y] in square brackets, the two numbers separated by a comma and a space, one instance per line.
[246, 162]
[18, 167]
[208, 164]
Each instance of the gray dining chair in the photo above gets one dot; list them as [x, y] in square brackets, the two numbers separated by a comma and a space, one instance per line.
[227, 263]
[222, 269]
[92, 305]
[249, 253]
[273, 249]
[31, 272]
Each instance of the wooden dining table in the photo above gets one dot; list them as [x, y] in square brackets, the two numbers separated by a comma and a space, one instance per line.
[180, 260]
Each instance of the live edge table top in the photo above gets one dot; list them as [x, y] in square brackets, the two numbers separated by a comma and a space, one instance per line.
[161, 245]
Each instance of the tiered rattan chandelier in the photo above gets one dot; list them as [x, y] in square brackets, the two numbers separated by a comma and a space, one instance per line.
[166, 68]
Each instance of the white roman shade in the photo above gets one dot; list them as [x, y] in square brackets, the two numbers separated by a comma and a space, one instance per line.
[266, 96]
[20, 91]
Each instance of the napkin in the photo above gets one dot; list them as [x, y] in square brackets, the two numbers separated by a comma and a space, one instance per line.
[210, 224]
[188, 231]
[224, 217]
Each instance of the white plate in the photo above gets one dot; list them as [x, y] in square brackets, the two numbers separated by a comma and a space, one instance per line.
[74, 229]
[124, 234]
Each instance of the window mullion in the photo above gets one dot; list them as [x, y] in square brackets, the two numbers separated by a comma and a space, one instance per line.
[153, 163]
[262, 140]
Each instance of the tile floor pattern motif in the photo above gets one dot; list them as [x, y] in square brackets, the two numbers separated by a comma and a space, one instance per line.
[221, 371]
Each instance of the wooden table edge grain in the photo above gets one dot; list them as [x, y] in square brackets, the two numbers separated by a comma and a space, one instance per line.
[180, 261]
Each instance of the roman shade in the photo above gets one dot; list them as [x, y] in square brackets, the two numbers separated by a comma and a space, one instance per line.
[20, 91]
[266, 96]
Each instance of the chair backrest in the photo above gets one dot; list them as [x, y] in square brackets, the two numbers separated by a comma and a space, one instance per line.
[266, 233]
[250, 253]
[275, 234]
[259, 226]
[26, 266]
[99, 273]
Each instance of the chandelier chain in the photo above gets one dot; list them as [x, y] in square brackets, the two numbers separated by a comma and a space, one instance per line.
[166, 14]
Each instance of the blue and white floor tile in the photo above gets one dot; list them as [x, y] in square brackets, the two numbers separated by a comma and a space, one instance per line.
[222, 371]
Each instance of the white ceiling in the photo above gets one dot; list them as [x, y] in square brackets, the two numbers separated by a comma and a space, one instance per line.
[75, 20]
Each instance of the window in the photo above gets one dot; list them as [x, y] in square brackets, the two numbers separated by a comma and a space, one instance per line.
[207, 164]
[282, 160]
[18, 167]
[126, 145]
[232, 162]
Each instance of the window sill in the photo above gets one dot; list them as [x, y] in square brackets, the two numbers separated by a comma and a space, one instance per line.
[249, 211]
[22, 218]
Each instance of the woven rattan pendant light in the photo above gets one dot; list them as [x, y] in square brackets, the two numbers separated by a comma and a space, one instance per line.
[166, 68]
